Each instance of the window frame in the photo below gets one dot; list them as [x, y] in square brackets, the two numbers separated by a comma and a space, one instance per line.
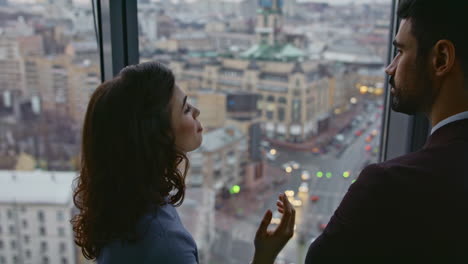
[118, 47]
[401, 134]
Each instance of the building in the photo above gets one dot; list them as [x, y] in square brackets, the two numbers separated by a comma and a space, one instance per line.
[64, 86]
[293, 92]
[35, 209]
[149, 25]
[217, 163]
[212, 106]
[11, 65]
[198, 217]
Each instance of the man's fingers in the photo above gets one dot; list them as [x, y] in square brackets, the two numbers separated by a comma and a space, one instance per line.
[265, 222]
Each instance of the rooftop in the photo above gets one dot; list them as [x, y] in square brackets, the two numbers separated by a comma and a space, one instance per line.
[277, 52]
[219, 138]
[36, 187]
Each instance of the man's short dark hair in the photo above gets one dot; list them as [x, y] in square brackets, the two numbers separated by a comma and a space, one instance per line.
[434, 20]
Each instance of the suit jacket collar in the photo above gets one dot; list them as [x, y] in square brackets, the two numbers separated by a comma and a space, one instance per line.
[447, 133]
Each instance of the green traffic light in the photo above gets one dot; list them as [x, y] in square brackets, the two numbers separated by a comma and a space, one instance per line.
[319, 174]
[353, 181]
[235, 189]
[329, 175]
[346, 174]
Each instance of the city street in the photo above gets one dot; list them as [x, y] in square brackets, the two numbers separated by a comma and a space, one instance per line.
[327, 181]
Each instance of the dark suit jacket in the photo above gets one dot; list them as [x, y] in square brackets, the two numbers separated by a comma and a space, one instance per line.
[414, 205]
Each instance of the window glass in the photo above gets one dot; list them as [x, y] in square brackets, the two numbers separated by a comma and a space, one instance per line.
[49, 66]
[317, 68]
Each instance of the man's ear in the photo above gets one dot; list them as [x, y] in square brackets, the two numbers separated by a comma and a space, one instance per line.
[443, 57]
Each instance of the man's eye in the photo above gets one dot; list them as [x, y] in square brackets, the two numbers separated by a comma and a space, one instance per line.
[187, 109]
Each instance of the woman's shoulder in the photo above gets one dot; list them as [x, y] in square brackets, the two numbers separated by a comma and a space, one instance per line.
[161, 236]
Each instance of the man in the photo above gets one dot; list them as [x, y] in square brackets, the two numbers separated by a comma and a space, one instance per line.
[417, 204]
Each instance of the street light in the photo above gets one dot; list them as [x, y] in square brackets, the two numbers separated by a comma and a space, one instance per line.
[273, 152]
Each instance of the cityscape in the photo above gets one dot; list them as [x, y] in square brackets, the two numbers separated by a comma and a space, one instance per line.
[291, 100]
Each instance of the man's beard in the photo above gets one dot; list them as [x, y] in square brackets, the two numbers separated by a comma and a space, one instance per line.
[412, 100]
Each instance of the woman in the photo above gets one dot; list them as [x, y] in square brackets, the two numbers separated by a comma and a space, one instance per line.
[137, 131]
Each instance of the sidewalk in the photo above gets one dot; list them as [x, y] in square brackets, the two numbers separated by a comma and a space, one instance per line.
[337, 123]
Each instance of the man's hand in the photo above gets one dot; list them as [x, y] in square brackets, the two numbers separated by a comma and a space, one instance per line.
[269, 243]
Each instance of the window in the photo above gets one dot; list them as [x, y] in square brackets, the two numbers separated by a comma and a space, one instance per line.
[40, 216]
[43, 246]
[64, 260]
[61, 231]
[13, 244]
[10, 214]
[45, 260]
[281, 114]
[62, 247]
[27, 253]
[60, 216]
[2, 260]
[305, 101]
[42, 231]
[1, 244]
[269, 115]
[49, 66]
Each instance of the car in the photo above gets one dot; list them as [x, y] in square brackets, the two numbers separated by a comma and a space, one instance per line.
[314, 198]
[265, 144]
[296, 203]
[339, 137]
[270, 156]
[315, 150]
[358, 133]
[304, 188]
[295, 165]
[287, 167]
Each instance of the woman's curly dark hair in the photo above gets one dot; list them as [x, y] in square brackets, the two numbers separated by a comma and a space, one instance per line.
[129, 161]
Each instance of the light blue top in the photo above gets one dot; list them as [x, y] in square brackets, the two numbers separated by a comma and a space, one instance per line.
[450, 119]
[165, 241]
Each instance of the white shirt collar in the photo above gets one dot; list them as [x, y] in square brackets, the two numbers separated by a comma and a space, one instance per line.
[459, 116]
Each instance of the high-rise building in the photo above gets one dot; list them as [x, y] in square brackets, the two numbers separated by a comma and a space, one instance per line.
[11, 65]
[35, 208]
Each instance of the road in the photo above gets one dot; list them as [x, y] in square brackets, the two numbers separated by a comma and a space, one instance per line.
[330, 189]
[350, 158]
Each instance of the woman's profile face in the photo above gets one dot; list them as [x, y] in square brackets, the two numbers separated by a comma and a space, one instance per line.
[187, 129]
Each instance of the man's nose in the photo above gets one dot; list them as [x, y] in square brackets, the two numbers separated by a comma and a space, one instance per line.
[390, 70]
